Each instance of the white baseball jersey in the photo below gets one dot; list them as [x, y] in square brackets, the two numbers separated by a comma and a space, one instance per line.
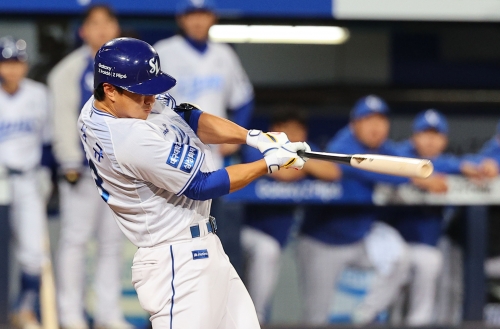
[24, 125]
[141, 169]
[214, 80]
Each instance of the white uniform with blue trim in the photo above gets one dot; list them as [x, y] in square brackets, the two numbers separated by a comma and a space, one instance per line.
[24, 127]
[141, 168]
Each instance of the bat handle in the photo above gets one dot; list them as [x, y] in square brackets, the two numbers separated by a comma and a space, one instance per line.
[301, 153]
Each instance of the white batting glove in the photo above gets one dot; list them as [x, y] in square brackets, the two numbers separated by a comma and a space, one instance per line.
[286, 157]
[266, 142]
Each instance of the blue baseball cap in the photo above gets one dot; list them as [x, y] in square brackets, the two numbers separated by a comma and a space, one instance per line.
[369, 105]
[12, 49]
[430, 119]
[188, 6]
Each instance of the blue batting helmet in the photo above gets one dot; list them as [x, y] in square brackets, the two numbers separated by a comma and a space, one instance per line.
[133, 65]
[12, 49]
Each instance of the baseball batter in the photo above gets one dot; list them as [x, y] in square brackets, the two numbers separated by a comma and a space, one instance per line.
[83, 216]
[24, 128]
[153, 168]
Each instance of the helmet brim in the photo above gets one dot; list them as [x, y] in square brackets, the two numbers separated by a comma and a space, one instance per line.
[157, 85]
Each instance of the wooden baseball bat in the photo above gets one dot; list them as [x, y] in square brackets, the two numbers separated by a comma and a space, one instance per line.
[48, 303]
[383, 164]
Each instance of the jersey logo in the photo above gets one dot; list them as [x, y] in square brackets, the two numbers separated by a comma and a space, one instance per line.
[189, 160]
[200, 254]
[175, 155]
[155, 66]
[195, 87]
[9, 129]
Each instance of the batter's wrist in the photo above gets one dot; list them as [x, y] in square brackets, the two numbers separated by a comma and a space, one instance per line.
[272, 163]
[253, 137]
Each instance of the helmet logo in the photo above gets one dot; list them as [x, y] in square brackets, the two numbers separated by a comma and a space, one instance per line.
[155, 67]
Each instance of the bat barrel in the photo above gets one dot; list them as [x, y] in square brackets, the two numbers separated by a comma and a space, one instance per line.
[384, 164]
[392, 165]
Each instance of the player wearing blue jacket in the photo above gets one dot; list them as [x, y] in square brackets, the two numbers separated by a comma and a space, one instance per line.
[421, 226]
[491, 150]
[267, 228]
[337, 237]
[490, 153]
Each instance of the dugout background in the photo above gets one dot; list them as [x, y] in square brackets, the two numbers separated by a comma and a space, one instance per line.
[449, 65]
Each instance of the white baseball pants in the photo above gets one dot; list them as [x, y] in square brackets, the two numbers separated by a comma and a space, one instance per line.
[191, 284]
[263, 254]
[320, 267]
[85, 215]
[28, 221]
[426, 265]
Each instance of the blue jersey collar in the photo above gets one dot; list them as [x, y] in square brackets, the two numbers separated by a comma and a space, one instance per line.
[200, 46]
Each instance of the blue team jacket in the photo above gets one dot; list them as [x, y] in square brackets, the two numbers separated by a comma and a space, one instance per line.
[491, 149]
[349, 224]
[423, 224]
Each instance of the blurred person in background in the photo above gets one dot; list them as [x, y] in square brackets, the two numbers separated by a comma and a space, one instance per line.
[24, 141]
[491, 149]
[267, 228]
[83, 213]
[422, 226]
[211, 76]
[334, 238]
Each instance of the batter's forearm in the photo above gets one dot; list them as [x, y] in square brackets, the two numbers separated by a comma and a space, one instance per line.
[216, 130]
[241, 175]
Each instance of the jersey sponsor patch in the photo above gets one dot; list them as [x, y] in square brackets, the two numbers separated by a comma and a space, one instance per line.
[200, 254]
[189, 160]
[175, 154]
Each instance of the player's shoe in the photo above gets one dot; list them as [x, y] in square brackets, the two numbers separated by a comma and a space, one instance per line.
[25, 319]
[122, 324]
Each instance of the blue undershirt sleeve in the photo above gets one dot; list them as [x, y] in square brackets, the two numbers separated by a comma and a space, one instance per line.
[242, 115]
[191, 117]
[208, 185]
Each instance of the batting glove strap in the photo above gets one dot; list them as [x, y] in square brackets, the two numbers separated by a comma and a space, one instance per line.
[253, 136]
[286, 157]
[266, 142]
